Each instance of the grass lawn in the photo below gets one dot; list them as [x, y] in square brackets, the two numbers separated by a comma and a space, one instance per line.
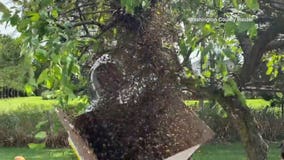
[12, 104]
[40, 154]
[256, 104]
[232, 151]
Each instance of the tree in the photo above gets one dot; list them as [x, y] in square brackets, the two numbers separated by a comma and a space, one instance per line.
[255, 39]
[69, 33]
[13, 71]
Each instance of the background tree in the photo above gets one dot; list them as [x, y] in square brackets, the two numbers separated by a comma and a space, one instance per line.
[13, 70]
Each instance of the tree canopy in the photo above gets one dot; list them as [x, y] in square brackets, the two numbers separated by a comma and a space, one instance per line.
[13, 69]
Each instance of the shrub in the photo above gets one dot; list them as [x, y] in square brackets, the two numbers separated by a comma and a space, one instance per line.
[19, 127]
[216, 118]
[269, 121]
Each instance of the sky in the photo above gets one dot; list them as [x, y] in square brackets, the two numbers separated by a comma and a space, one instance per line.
[7, 29]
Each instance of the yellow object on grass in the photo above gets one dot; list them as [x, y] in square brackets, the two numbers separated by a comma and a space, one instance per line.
[19, 158]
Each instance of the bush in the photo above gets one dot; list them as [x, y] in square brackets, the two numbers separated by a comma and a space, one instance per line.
[216, 118]
[19, 127]
[269, 121]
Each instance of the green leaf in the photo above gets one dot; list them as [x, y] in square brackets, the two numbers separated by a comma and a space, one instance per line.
[231, 55]
[43, 76]
[219, 4]
[41, 124]
[130, 5]
[269, 70]
[55, 58]
[57, 71]
[41, 55]
[228, 90]
[230, 28]
[279, 94]
[43, 14]
[40, 135]
[36, 146]
[4, 10]
[188, 73]
[235, 3]
[54, 13]
[245, 26]
[76, 69]
[183, 48]
[14, 20]
[22, 25]
[252, 4]
[275, 73]
[45, 2]
[34, 17]
[29, 89]
[49, 83]
[146, 4]
[207, 29]
[252, 31]
[207, 73]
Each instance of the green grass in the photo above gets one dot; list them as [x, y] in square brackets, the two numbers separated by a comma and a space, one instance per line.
[232, 151]
[12, 104]
[256, 104]
[40, 154]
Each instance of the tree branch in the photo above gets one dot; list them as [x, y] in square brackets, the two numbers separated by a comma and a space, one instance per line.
[97, 12]
[186, 60]
[245, 43]
[101, 26]
[277, 4]
[82, 18]
[275, 45]
[253, 58]
[82, 5]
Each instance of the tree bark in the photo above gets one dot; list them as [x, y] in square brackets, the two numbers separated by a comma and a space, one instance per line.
[245, 123]
[240, 116]
[247, 127]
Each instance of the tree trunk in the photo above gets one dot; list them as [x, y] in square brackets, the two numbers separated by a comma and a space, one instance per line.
[240, 116]
[246, 125]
